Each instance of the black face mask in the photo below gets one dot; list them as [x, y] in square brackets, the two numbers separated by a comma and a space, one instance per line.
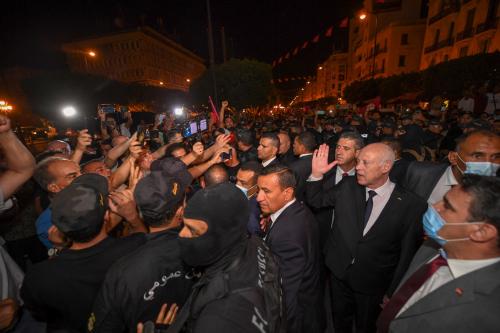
[225, 210]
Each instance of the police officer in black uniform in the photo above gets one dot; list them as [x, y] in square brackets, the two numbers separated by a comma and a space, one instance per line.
[239, 290]
[136, 287]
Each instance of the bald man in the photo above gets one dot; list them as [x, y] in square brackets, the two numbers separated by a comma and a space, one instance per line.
[376, 231]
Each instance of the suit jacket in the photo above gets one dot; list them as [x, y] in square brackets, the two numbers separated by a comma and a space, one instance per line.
[398, 171]
[293, 238]
[288, 158]
[276, 161]
[476, 309]
[422, 177]
[302, 170]
[373, 263]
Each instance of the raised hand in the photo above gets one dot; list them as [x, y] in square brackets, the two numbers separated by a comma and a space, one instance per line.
[198, 149]
[135, 175]
[222, 140]
[320, 164]
[135, 147]
[122, 203]
[84, 140]
[225, 104]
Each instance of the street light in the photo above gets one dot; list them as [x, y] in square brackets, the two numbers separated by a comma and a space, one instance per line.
[69, 111]
[362, 17]
[91, 53]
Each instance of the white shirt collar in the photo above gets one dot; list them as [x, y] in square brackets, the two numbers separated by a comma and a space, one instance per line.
[266, 163]
[460, 267]
[274, 216]
[351, 172]
[383, 190]
[450, 179]
[302, 155]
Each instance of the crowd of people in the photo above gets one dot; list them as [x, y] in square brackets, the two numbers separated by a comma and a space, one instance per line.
[292, 222]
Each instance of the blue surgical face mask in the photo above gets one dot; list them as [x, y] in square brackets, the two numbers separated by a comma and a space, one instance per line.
[244, 190]
[433, 222]
[480, 168]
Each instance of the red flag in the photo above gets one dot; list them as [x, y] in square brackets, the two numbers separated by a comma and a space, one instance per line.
[296, 50]
[344, 23]
[305, 44]
[287, 55]
[329, 32]
[315, 39]
[279, 60]
[214, 114]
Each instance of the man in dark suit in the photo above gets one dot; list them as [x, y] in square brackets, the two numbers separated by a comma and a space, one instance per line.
[431, 181]
[376, 232]
[303, 147]
[293, 237]
[286, 155]
[452, 284]
[400, 166]
[268, 148]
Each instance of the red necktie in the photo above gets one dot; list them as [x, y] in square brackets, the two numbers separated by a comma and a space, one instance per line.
[345, 174]
[399, 299]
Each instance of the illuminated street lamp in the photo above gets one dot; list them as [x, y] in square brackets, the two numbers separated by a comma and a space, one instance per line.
[161, 83]
[188, 80]
[69, 111]
[91, 53]
[362, 16]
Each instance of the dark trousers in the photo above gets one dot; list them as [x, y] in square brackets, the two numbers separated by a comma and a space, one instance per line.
[352, 309]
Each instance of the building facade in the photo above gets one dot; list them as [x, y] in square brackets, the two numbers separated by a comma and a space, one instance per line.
[138, 56]
[386, 41]
[459, 28]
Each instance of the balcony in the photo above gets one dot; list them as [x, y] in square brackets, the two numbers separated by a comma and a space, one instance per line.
[467, 33]
[445, 11]
[445, 43]
[487, 25]
[430, 49]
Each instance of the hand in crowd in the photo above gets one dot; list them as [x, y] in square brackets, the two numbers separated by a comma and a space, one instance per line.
[225, 104]
[84, 140]
[8, 312]
[164, 318]
[217, 156]
[101, 115]
[320, 164]
[122, 203]
[135, 147]
[4, 124]
[222, 140]
[198, 149]
[135, 175]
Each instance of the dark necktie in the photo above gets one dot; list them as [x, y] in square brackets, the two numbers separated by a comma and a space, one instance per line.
[369, 205]
[403, 294]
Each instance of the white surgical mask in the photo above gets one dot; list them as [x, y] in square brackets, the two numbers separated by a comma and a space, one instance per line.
[480, 168]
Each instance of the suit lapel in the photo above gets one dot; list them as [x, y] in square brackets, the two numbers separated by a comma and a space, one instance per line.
[360, 204]
[392, 206]
[457, 291]
[282, 215]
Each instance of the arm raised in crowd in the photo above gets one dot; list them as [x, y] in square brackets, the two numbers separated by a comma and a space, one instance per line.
[316, 196]
[82, 142]
[198, 170]
[222, 112]
[116, 152]
[122, 174]
[220, 142]
[20, 162]
[194, 155]
[123, 204]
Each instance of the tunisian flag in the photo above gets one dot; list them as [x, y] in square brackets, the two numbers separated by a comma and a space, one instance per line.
[214, 114]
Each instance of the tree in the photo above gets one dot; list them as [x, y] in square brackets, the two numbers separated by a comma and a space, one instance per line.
[243, 83]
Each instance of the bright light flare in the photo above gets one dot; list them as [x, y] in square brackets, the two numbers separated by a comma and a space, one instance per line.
[69, 111]
[362, 16]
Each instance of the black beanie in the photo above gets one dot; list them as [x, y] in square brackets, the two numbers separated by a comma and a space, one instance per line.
[225, 209]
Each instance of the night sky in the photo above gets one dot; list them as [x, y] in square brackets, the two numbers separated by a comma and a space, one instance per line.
[32, 31]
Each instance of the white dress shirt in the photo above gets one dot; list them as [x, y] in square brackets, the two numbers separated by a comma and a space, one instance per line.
[455, 269]
[266, 163]
[339, 172]
[444, 184]
[379, 201]
[274, 216]
[302, 155]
